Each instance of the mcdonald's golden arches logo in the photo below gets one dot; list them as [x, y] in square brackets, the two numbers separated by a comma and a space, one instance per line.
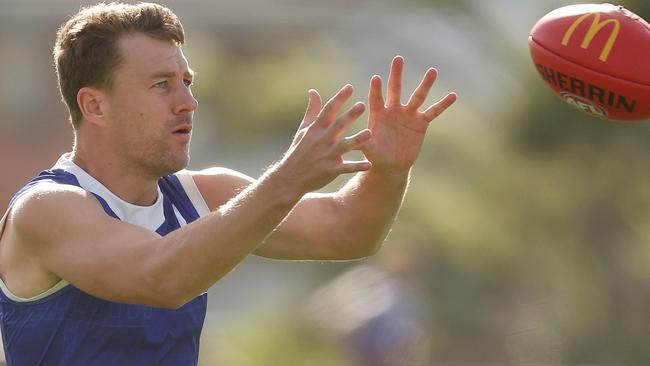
[595, 27]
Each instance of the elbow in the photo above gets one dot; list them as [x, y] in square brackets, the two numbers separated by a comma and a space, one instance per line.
[147, 293]
[168, 294]
[164, 298]
[358, 249]
[367, 250]
[364, 244]
[359, 241]
[171, 300]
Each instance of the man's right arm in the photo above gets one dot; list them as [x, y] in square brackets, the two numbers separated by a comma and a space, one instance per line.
[65, 233]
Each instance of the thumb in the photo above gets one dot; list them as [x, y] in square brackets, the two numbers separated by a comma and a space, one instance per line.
[314, 106]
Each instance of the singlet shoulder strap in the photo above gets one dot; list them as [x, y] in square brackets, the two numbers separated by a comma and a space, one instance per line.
[182, 190]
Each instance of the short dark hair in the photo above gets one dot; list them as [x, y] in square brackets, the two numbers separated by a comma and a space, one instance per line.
[86, 52]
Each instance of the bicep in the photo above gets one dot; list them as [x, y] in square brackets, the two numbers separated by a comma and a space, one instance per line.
[69, 235]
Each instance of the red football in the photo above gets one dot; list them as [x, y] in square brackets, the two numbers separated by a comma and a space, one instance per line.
[597, 58]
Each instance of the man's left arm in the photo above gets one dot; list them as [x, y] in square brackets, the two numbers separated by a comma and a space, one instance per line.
[353, 222]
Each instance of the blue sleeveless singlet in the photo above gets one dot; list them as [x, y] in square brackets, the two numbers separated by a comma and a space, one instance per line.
[66, 326]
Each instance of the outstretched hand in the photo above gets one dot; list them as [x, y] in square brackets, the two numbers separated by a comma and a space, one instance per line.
[398, 129]
[315, 156]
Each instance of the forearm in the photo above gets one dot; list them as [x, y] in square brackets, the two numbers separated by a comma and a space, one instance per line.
[194, 257]
[366, 208]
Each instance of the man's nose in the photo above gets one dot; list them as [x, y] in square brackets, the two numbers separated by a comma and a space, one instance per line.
[185, 101]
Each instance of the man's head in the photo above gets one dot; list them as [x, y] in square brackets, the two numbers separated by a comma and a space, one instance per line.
[126, 82]
[87, 52]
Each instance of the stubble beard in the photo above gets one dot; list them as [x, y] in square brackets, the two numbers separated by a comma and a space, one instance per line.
[158, 160]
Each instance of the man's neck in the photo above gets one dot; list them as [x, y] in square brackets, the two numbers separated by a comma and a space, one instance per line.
[121, 178]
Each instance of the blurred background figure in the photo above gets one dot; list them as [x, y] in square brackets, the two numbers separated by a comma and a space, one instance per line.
[374, 311]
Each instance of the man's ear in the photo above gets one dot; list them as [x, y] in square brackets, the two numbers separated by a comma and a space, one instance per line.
[91, 104]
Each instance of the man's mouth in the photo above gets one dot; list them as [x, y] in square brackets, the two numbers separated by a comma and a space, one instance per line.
[184, 129]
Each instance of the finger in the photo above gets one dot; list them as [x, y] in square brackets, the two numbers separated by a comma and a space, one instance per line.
[354, 142]
[394, 88]
[375, 97]
[420, 93]
[435, 110]
[314, 106]
[332, 107]
[336, 129]
[354, 166]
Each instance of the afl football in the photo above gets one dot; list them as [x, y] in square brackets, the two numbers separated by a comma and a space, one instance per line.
[596, 57]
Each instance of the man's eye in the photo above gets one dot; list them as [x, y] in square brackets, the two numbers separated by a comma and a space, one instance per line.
[188, 82]
[162, 84]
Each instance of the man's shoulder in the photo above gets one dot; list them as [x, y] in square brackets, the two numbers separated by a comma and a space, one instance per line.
[48, 204]
[47, 193]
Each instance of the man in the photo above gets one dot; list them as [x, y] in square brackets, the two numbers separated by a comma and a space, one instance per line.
[106, 257]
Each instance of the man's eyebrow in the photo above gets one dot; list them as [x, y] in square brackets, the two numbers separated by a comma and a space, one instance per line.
[168, 74]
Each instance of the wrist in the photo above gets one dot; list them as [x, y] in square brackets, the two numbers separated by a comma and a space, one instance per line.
[282, 185]
[390, 175]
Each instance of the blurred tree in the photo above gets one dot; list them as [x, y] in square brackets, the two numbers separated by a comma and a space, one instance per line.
[258, 89]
